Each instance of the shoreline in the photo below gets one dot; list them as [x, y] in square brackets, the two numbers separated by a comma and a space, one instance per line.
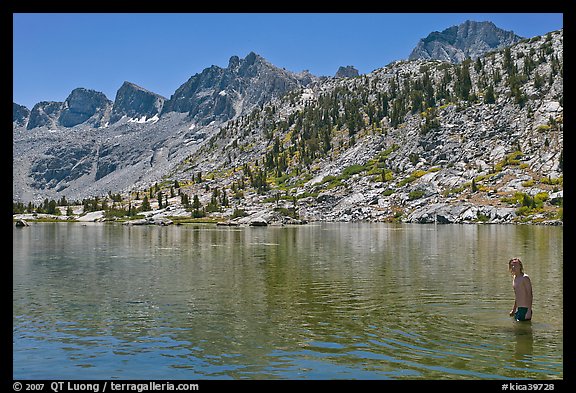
[178, 220]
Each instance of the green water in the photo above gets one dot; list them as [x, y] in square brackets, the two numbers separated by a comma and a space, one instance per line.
[321, 301]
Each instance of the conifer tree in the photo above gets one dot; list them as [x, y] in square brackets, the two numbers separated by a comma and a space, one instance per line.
[160, 196]
[145, 204]
[489, 97]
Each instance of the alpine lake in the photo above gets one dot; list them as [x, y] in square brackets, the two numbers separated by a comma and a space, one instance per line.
[317, 301]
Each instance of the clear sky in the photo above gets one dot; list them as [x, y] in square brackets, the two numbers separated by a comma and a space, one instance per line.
[56, 53]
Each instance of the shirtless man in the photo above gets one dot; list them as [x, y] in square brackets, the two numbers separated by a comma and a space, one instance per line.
[522, 310]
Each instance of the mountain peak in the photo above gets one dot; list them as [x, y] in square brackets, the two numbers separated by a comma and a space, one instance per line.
[469, 39]
[220, 94]
[134, 101]
[251, 58]
[20, 114]
[81, 105]
[233, 62]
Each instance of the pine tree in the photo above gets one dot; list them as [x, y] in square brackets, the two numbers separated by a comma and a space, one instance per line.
[197, 210]
[196, 203]
[160, 196]
[145, 204]
[489, 97]
[463, 82]
[509, 65]
[224, 201]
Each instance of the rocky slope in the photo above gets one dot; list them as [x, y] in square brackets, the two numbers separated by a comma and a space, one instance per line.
[416, 141]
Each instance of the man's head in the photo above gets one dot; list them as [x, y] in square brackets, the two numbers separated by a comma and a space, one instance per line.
[515, 266]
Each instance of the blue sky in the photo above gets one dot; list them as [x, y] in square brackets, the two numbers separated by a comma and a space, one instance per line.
[56, 53]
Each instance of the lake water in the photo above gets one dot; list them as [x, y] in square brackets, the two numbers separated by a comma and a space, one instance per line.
[321, 301]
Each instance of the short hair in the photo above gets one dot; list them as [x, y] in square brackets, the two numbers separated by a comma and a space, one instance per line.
[519, 262]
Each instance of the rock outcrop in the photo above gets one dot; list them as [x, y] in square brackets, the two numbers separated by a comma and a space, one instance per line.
[346, 72]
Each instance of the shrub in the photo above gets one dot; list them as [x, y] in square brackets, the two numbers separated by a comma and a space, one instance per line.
[416, 194]
[353, 170]
[528, 183]
[239, 213]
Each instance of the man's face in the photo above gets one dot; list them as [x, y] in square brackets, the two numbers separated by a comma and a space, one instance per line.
[515, 266]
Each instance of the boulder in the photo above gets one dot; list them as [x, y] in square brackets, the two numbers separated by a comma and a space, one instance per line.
[258, 222]
[92, 216]
[22, 223]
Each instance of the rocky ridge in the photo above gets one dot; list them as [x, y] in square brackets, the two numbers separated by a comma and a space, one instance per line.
[88, 145]
[220, 94]
[81, 106]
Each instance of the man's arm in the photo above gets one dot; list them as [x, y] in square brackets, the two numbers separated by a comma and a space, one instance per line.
[513, 308]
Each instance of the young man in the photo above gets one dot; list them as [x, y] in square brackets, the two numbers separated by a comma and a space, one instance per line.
[522, 310]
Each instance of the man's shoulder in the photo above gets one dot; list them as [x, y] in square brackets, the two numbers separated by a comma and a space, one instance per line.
[525, 277]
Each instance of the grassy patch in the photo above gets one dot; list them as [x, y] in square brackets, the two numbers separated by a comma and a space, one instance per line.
[413, 176]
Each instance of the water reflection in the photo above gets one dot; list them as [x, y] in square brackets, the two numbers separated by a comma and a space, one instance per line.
[318, 301]
[524, 340]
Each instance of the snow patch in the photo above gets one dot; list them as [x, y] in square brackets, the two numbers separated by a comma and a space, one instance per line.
[144, 120]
